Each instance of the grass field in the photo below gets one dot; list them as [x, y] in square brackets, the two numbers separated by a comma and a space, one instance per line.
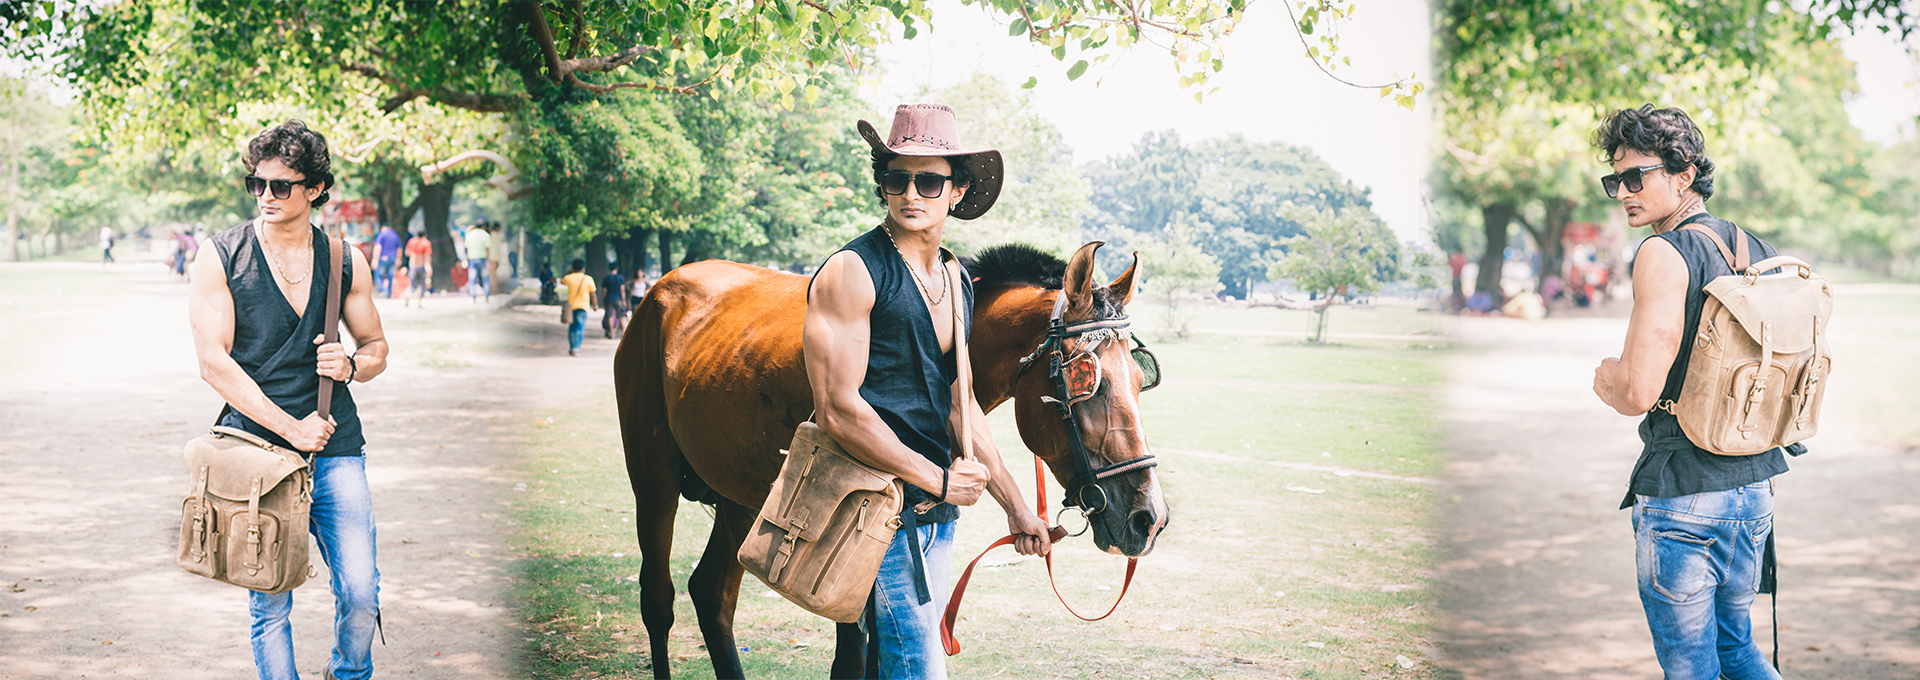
[1876, 364]
[1267, 569]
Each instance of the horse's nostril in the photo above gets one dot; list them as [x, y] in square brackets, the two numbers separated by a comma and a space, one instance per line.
[1143, 521]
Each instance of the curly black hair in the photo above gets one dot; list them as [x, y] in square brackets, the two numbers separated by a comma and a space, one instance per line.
[962, 171]
[301, 149]
[1667, 133]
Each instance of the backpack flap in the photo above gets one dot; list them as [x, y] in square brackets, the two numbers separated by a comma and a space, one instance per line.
[237, 458]
[1795, 304]
[816, 487]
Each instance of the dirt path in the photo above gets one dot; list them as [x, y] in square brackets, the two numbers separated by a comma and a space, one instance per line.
[91, 427]
[1538, 562]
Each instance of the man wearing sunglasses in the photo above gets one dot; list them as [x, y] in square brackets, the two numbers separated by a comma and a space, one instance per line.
[1700, 519]
[257, 312]
[880, 354]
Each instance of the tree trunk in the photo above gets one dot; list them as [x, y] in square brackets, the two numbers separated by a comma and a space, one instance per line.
[1547, 237]
[666, 251]
[436, 200]
[1320, 324]
[695, 249]
[597, 257]
[1497, 216]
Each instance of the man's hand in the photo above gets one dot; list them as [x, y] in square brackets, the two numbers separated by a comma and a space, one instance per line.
[966, 481]
[1031, 536]
[332, 361]
[1603, 377]
[310, 434]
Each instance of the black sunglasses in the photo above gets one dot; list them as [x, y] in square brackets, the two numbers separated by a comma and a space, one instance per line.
[282, 188]
[927, 184]
[1634, 178]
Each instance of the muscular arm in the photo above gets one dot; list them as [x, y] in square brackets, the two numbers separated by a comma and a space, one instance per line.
[1632, 383]
[362, 320]
[835, 345]
[210, 313]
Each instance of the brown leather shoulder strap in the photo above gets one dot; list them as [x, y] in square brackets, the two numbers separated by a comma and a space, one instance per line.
[962, 364]
[1736, 263]
[330, 328]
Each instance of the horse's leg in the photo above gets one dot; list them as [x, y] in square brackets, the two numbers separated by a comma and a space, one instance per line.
[715, 586]
[653, 469]
[849, 652]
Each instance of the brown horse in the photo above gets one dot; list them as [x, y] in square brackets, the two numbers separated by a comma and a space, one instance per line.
[711, 385]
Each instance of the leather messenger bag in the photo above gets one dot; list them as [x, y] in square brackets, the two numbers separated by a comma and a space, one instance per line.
[825, 527]
[244, 520]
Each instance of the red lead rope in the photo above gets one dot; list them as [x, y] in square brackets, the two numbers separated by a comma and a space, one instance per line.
[951, 643]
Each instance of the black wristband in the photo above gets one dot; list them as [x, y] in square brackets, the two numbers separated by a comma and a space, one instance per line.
[353, 368]
[943, 484]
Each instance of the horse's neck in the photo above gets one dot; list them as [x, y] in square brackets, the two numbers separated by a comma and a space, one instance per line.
[1007, 325]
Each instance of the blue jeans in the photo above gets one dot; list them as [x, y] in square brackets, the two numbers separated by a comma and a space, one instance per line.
[477, 279]
[907, 632]
[1699, 565]
[577, 330]
[343, 524]
[383, 276]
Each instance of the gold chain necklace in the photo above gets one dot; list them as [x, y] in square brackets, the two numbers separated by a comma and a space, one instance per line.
[945, 287]
[282, 268]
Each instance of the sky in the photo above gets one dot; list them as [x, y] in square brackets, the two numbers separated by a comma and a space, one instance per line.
[1269, 92]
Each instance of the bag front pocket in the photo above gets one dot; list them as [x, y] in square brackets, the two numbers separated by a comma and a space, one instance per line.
[252, 552]
[199, 539]
[1750, 415]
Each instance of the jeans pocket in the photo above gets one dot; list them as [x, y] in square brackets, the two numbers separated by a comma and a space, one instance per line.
[1682, 565]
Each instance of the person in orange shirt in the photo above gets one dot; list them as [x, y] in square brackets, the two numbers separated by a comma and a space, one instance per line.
[579, 298]
[419, 268]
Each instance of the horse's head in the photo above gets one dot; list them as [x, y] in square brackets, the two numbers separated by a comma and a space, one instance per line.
[1077, 401]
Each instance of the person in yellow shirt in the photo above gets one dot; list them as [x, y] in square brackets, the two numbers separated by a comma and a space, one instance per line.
[579, 298]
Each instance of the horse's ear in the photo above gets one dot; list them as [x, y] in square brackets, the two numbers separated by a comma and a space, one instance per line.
[1124, 284]
[1078, 282]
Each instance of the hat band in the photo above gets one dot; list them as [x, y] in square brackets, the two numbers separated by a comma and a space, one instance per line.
[923, 139]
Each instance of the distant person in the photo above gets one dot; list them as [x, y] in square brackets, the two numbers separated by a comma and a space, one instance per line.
[1699, 518]
[480, 279]
[638, 288]
[579, 298]
[265, 360]
[106, 245]
[419, 268]
[549, 287]
[386, 253]
[614, 288]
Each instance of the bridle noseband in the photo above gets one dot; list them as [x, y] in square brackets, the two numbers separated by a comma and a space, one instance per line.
[1064, 397]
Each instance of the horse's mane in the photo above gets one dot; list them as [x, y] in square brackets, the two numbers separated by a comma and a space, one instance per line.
[1015, 264]
[1019, 264]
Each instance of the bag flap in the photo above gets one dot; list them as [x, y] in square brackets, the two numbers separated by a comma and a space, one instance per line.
[831, 476]
[1796, 305]
[235, 458]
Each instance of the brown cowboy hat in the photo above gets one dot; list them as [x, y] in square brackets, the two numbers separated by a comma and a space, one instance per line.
[932, 130]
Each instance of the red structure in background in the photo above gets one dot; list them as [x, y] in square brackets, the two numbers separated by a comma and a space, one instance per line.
[1587, 266]
[356, 218]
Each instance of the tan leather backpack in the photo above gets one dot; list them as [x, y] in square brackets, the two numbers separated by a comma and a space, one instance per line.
[1760, 358]
[245, 519]
[825, 527]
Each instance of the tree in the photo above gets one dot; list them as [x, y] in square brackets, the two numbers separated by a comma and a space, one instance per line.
[1341, 254]
[1237, 194]
[1175, 268]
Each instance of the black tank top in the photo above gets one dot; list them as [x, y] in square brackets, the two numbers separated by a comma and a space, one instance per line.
[1670, 464]
[275, 346]
[909, 381]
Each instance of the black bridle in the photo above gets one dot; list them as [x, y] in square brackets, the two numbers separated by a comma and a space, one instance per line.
[1064, 397]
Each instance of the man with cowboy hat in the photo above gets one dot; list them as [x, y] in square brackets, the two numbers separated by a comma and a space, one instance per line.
[880, 355]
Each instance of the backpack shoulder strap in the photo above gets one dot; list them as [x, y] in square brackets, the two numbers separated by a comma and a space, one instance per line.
[1735, 261]
[330, 328]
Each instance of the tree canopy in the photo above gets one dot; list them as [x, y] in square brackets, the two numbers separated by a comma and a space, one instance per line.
[1239, 196]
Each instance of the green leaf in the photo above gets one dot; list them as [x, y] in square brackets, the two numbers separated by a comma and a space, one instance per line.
[1019, 27]
[1032, 82]
[1060, 53]
[1079, 68]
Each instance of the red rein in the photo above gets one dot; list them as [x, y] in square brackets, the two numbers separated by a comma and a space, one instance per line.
[952, 643]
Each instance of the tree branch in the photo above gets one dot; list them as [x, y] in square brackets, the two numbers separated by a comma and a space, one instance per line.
[472, 101]
[561, 72]
[603, 89]
[823, 9]
[1323, 67]
[579, 28]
